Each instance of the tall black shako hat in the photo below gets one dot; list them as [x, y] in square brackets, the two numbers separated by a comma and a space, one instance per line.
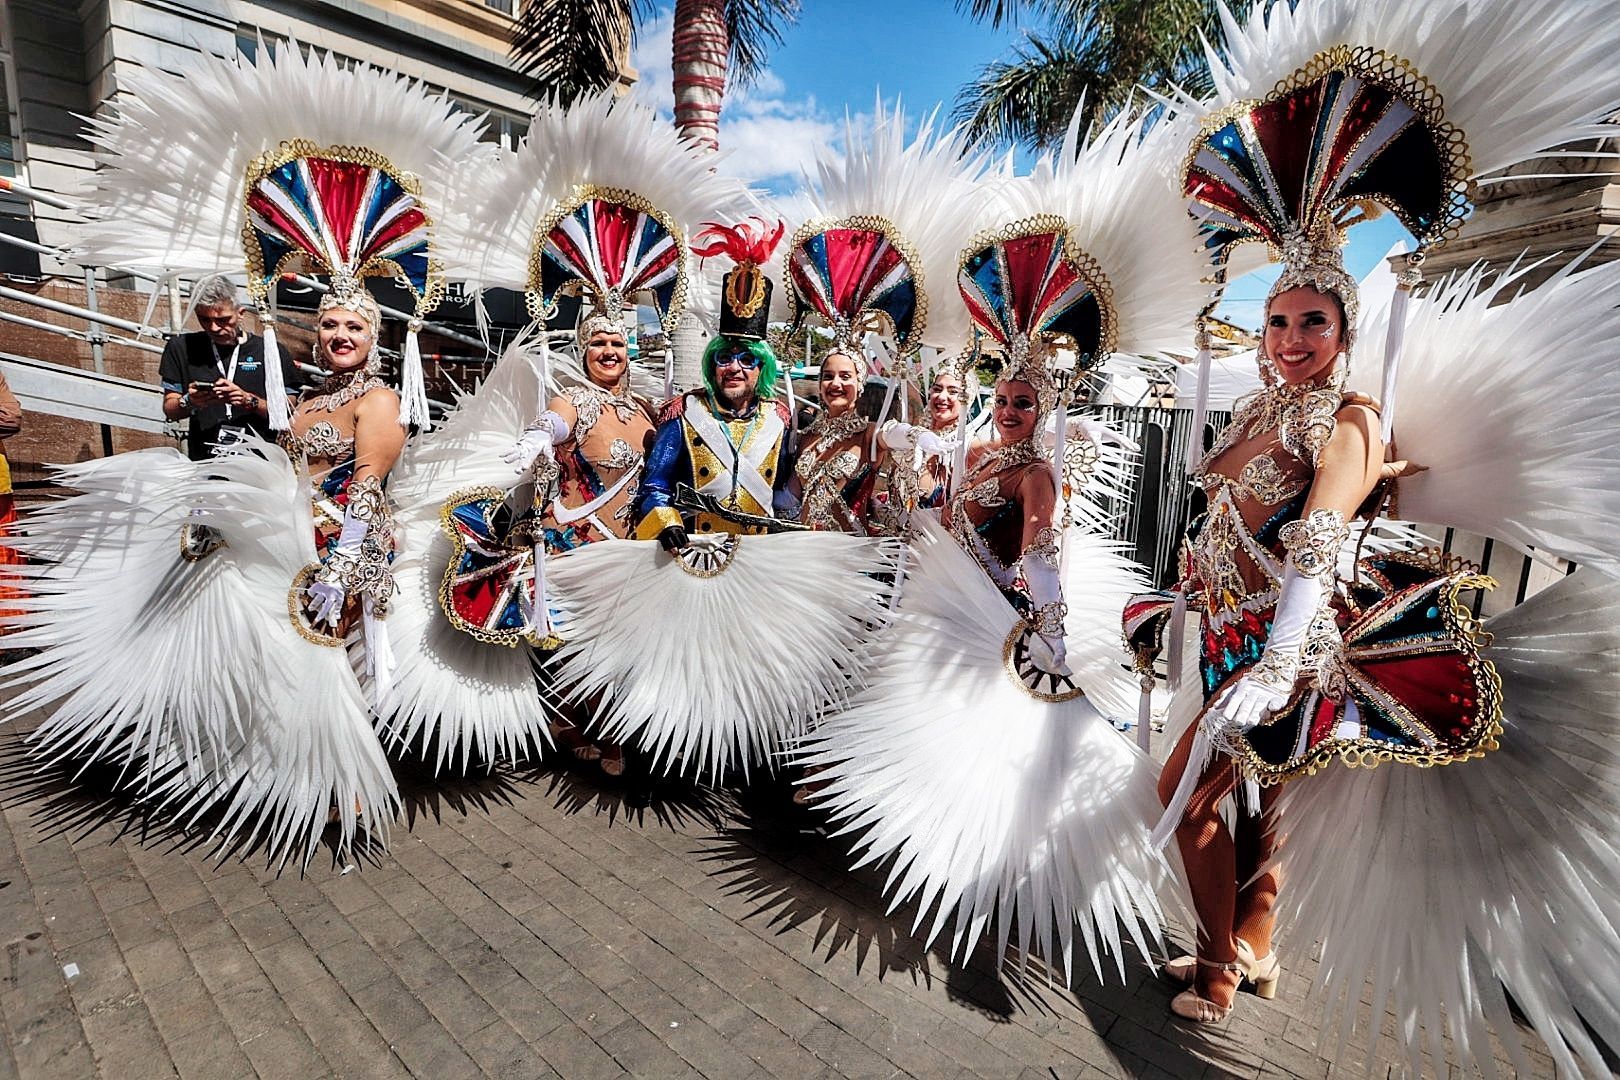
[745, 299]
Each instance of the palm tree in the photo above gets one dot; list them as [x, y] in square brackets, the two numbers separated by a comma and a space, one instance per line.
[574, 47]
[1096, 51]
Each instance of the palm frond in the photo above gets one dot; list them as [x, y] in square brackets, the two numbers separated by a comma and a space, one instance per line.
[574, 47]
[1101, 51]
[754, 27]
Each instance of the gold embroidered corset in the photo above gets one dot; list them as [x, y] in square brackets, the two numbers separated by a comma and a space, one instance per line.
[1254, 485]
[599, 466]
[835, 482]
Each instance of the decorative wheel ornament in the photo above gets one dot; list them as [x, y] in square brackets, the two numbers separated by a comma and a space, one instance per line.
[198, 541]
[1027, 676]
[300, 617]
[708, 556]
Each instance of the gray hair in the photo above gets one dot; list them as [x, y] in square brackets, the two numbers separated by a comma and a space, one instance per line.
[215, 291]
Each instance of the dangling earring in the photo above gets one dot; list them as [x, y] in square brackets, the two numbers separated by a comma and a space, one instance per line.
[373, 364]
[1268, 370]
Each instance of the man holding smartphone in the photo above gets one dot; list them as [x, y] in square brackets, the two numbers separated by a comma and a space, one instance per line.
[215, 376]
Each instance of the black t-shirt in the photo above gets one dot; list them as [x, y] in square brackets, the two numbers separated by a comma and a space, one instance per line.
[189, 358]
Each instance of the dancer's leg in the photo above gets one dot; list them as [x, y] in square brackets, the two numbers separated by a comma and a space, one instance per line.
[1256, 843]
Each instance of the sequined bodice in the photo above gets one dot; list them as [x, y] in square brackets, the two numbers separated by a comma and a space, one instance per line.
[1255, 485]
[984, 514]
[831, 471]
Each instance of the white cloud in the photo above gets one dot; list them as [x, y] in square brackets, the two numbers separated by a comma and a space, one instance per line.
[769, 136]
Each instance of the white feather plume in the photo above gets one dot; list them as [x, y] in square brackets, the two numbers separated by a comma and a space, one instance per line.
[985, 802]
[478, 702]
[191, 675]
[169, 193]
[710, 674]
[601, 141]
[1446, 887]
[1511, 407]
[926, 188]
[1117, 191]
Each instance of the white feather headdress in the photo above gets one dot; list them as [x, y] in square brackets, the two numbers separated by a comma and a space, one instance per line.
[1094, 247]
[600, 146]
[179, 157]
[915, 195]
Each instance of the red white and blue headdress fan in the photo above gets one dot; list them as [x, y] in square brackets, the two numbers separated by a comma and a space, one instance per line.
[1029, 289]
[290, 161]
[1025, 284]
[1349, 129]
[858, 275]
[610, 245]
[1321, 105]
[347, 213]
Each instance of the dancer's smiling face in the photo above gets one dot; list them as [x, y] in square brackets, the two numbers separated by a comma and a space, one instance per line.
[345, 339]
[1304, 333]
[1015, 409]
[944, 402]
[840, 383]
[607, 358]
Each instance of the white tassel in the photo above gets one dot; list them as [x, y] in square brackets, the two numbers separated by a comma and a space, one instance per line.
[1203, 751]
[413, 406]
[1144, 715]
[1195, 436]
[793, 410]
[959, 455]
[1177, 639]
[1408, 279]
[379, 655]
[275, 385]
[541, 615]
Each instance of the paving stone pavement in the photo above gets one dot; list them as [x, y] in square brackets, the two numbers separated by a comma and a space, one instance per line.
[542, 923]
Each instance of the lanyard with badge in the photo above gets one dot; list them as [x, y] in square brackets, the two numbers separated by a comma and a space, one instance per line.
[228, 432]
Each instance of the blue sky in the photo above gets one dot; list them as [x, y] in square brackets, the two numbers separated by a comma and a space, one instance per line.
[843, 53]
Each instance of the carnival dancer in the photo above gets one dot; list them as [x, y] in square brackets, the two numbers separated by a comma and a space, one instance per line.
[700, 657]
[979, 762]
[597, 203]
[595, 436]
[265, 728]
[1301, 665]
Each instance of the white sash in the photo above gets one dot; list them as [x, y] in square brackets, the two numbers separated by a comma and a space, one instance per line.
[567, 516]
[747, 473]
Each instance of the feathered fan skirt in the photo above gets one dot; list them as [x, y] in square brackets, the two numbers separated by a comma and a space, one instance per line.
[714, 660]
[1454, 889]
[189, 671]
[992, 790]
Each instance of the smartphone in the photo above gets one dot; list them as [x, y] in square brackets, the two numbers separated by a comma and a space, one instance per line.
[203, 387]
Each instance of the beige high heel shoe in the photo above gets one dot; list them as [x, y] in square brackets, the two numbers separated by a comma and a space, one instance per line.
[1190, 1005]
[1263, 972]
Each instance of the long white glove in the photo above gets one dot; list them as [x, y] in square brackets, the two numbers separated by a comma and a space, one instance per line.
[328, 591]
[919, 442]
[354, 566]
[1046, 595]
[1303, 602]
[537, 440]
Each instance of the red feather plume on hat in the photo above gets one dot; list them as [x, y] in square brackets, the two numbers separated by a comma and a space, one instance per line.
[745, 244]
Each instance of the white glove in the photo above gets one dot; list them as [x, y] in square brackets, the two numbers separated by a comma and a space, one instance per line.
[537, 440]
[1049, 653]
[1247, 703]
[1263, 689]
[345, 566]
[326, 602]
[920, 441]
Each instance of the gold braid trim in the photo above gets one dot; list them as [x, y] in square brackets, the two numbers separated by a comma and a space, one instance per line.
[1370, 753]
